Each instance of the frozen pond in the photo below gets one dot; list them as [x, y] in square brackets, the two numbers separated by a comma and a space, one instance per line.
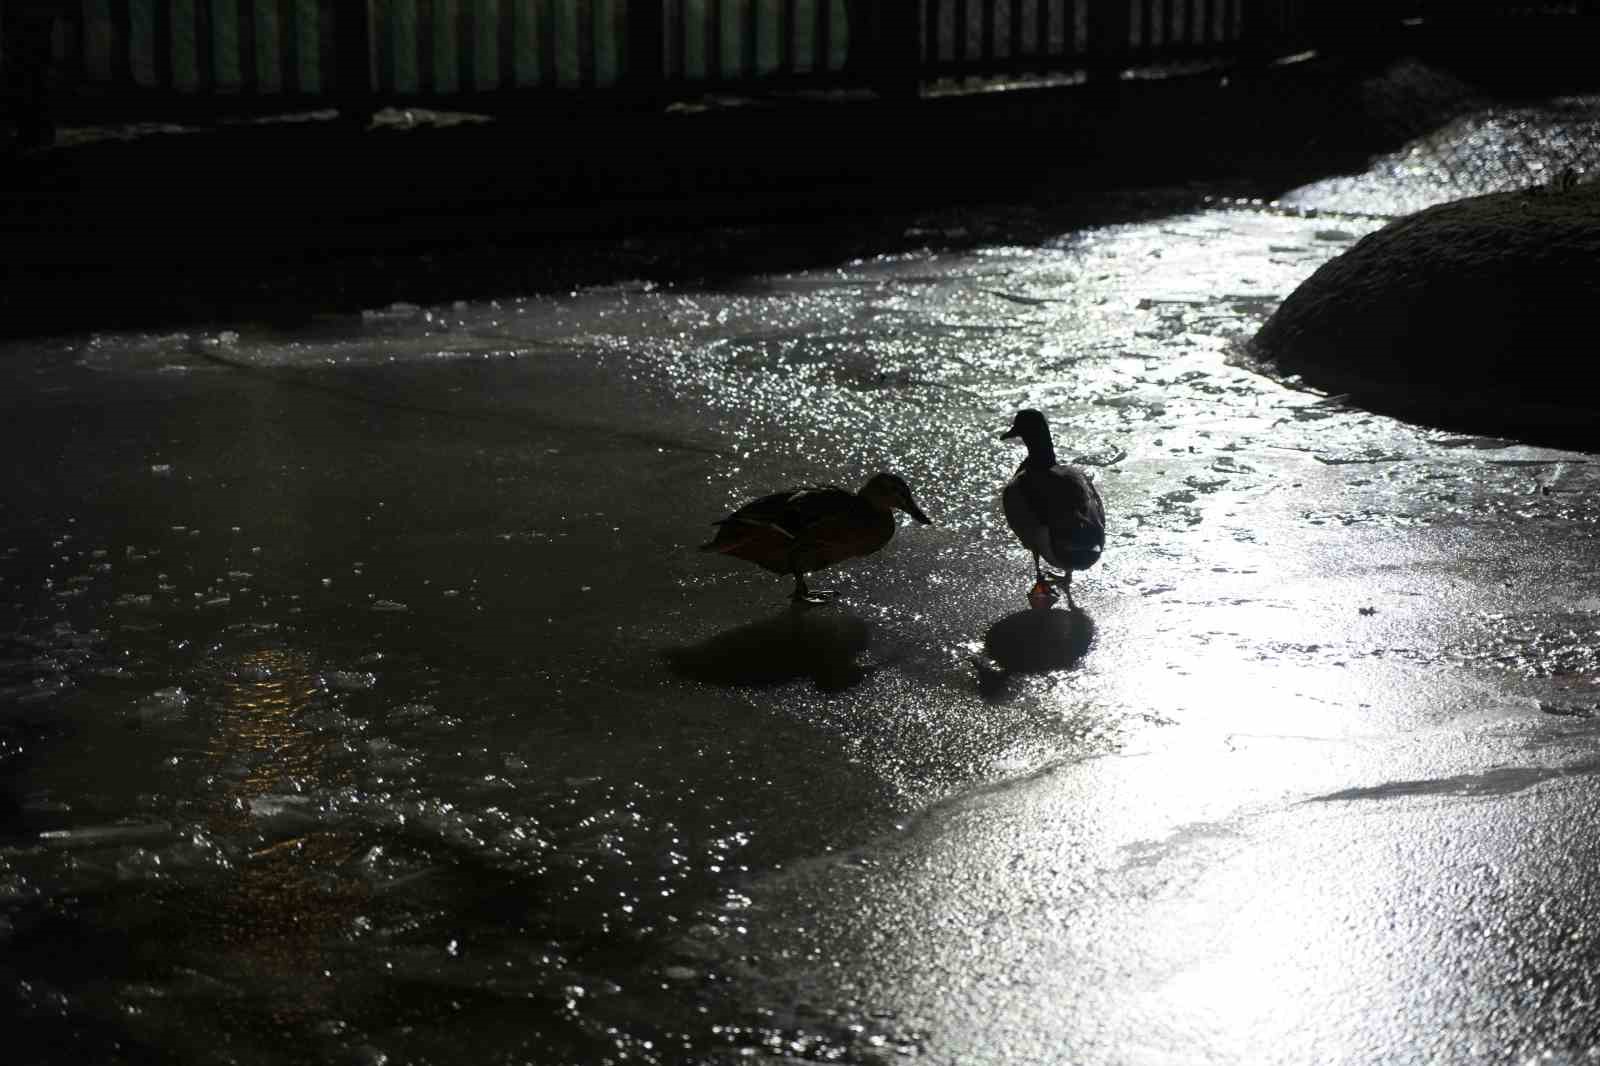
[366, 701]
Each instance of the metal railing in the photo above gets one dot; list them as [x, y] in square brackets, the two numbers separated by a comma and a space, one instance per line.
[1013, 36]
[228, 55]
[1478, 8]
[124, 59]
[231, 55]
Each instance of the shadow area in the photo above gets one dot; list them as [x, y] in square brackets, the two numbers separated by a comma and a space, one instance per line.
[657, 193]
[819, 643]
[1033, 642]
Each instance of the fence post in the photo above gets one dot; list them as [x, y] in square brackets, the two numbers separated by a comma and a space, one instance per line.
[1360, 30]
[27, 33]
[647, 32]
[884, 51]
[898, 49]
[1255, 33]
[1109, 24]
[352, 31]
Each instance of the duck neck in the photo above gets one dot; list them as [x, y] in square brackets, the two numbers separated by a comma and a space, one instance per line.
[1041, 452]
[877, 502]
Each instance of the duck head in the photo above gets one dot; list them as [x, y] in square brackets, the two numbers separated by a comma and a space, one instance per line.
[890, 490]
[1035, 433]
[1030, 425]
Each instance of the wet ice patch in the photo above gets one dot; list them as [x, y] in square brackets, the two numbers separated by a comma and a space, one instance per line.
[270, 806]
[135, 351]
[393, 866]
[400, 311]
[283, 813]
[94, 836]
[194, 850]
[423, 716]
[388, 757]
[1493, 150]
[1539, 645]
[161, 706]
[349, 680]
[399, 334]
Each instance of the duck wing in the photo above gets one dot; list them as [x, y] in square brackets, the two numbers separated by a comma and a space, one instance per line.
[1058, 513]
[791, 514]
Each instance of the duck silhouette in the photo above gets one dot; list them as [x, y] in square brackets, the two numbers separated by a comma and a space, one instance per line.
[810, 528]
[1053, 508]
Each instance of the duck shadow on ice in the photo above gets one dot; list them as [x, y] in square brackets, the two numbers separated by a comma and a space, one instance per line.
[797, 642]
[1032, 641]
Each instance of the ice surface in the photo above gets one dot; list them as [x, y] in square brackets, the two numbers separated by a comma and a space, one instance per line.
[444, 720]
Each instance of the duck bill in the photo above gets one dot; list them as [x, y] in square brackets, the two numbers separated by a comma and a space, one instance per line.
[916, 512]
[1008, 434]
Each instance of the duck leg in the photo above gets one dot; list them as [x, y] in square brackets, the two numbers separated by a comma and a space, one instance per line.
[1052, 582]
[1041, 596]
[802, 594]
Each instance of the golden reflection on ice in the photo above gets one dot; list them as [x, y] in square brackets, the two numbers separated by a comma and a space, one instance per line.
[288, 903]
[264, 693]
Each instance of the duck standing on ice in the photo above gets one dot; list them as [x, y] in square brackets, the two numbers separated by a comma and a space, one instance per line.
[811, 528]
[1054, 510]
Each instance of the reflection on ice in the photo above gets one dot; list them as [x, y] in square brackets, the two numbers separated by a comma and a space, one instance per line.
[1492, 150]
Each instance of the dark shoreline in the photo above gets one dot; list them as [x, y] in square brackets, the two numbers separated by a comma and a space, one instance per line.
[279, 222]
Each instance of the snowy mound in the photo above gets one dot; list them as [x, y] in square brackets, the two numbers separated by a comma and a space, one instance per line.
[1477, 315]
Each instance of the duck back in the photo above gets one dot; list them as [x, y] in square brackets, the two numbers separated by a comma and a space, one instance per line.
[806, 528]
[1057, 512]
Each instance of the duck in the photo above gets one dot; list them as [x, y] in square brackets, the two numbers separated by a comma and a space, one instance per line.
[812, 527]
[1054, 510]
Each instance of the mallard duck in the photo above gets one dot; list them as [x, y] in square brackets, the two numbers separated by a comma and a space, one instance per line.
[813, 527]
[1054, 510]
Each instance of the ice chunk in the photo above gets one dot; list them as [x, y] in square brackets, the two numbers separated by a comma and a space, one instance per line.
[99, 835]
[349, 680]
[276, 805]
[161, 705]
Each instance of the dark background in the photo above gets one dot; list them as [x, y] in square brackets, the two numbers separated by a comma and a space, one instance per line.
[133, 194]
